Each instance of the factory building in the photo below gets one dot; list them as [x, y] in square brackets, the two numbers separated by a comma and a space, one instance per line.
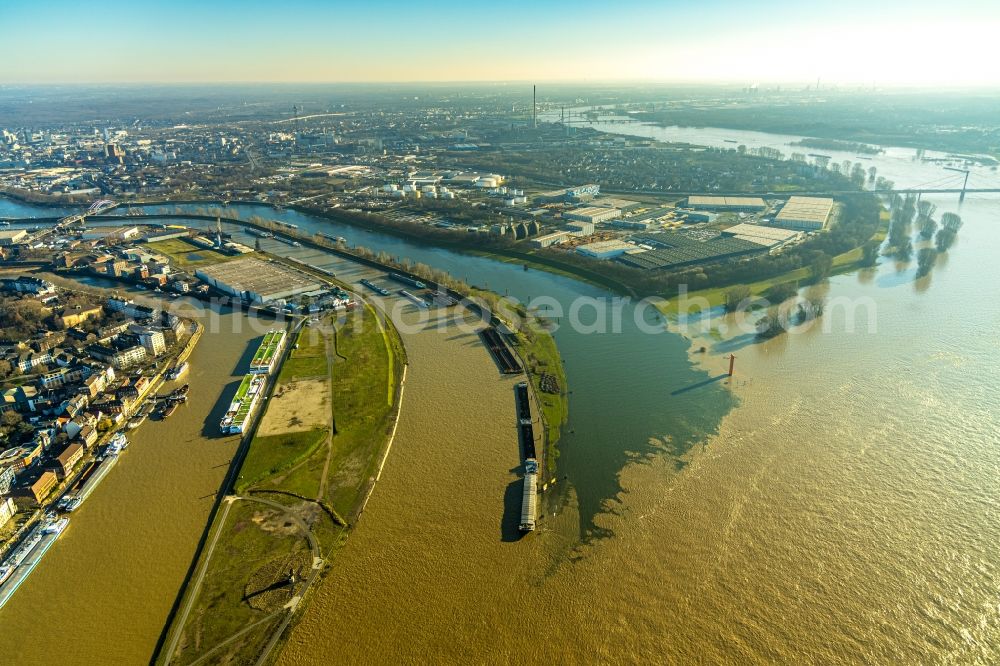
[110, 234]
[624, 205]
[805, 213]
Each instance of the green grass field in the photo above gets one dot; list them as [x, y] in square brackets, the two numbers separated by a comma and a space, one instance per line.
[182, 253]
[309, 360]
[271, 455]
[253, 553]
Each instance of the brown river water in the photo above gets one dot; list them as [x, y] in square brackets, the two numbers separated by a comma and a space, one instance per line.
[845, 511]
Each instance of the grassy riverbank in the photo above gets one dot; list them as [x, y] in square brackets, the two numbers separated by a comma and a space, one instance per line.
[308, 470]
[542, 361]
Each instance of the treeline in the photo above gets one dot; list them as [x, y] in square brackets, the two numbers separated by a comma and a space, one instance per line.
[909, 215]
[835, 144]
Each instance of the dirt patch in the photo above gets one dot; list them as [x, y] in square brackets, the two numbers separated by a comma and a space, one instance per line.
[296, 407]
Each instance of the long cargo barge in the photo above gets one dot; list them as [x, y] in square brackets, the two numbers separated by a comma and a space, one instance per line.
[244, 404]
[529, 496]
[374, 287]
[504, 357]
[525, 427]
[419, 302]
[16, 568]
[413, 282]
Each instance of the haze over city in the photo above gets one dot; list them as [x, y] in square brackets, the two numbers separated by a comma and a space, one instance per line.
[893, 43]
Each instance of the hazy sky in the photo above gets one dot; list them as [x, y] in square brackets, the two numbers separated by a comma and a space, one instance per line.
[743, 41]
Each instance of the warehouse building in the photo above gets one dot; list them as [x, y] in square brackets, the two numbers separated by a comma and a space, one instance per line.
[592, 214]
[580, 228]
[607, 249]
[727, 204]
[572, 194]
[805, 213]
[110, 234]
[624, 205]
[550, 239]
[256, 281]
[12, 237]
[770, 237]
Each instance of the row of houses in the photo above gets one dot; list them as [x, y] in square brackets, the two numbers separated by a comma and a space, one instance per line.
[89, 387]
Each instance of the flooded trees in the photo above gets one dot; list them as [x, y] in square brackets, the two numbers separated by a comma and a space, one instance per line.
[736, 296]
[926, 258]
[950, 224]
[925, 219]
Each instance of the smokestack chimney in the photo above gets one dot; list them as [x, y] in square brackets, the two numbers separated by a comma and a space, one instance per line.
[534, 106]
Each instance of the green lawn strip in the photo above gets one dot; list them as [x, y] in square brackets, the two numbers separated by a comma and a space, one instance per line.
[362, 393]
[273, 454]
[542, 357]
[301, 479]
[178, 250]
[293, 463]
[309, 360]
[302, 368]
